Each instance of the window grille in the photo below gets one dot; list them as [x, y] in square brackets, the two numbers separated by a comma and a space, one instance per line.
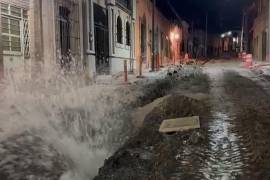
[26, 39]
[67, 31]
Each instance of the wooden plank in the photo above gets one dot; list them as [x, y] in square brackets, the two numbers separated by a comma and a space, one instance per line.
[180, 124]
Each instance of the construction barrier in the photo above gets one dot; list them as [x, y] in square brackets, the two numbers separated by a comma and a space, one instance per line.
[186, 58]
[248, 61]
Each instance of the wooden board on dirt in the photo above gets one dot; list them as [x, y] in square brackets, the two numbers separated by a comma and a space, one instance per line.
[180, 124]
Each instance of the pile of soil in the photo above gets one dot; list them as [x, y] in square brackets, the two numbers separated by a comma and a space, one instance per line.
[152, 155]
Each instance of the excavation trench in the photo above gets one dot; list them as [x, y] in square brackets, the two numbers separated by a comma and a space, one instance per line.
[232, 143]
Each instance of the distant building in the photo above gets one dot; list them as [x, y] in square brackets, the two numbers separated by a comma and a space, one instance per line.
[213, 48]
[199, 43]
[187, 42]
[230, 44]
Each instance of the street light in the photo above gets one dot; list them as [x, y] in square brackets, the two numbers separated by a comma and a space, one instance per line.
[174, 36]
[177, 36]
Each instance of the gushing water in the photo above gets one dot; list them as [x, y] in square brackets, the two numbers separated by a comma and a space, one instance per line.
[56, 118]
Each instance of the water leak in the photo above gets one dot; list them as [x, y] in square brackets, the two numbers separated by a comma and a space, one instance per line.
[66, 131]
[224, 155]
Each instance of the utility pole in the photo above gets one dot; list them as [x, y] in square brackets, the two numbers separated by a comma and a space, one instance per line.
[206, 34]
[192, 38]
[153, 36]
[242, 33]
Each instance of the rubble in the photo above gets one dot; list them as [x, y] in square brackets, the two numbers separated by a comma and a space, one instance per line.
[184, 71]
[261, 69]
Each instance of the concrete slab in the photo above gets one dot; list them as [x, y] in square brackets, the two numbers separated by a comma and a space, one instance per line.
[180, 124]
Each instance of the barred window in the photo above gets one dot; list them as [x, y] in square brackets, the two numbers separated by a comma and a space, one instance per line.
[11, 23]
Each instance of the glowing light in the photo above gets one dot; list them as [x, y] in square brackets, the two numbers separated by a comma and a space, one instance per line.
[172, 35]
[222, 35]
[177, 36]
[229, 33]
[234, 39]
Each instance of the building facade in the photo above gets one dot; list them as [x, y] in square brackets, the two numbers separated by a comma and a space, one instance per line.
[260, 31]
[167, 42]
[94, 36]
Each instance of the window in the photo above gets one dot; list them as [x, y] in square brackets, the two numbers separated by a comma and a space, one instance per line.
[259, 6]
[11, 19]
[125, 3]
[64, 29]
[128, 34]
[119, 30]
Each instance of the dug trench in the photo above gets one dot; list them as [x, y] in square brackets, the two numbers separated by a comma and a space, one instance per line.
[149, 154]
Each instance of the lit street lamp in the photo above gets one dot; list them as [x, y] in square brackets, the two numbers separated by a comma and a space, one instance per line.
[174, 36]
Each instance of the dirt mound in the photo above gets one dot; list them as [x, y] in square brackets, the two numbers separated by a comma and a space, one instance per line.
[152, 155]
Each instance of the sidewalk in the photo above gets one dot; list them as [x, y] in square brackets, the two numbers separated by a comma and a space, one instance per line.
[132, 78]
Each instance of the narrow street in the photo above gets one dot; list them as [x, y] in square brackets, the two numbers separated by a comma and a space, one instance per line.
[134, 90]
[232, 143]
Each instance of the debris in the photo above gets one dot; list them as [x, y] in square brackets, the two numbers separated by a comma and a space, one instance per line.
[180, 124]
[196, 138]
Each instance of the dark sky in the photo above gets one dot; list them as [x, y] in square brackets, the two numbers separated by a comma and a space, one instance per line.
[223, 14]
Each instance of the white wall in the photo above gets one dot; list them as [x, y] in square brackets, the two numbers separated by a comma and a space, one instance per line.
[122, 51]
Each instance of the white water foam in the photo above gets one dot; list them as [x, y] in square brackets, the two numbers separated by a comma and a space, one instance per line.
[77, 122]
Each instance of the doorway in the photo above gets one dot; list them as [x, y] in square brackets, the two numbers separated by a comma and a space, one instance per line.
[101, 40]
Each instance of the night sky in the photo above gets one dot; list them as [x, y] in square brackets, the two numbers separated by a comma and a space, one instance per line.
[223, 14]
